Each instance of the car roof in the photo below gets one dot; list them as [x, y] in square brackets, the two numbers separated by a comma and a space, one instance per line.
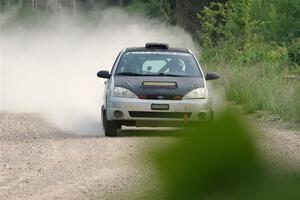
[144, 49]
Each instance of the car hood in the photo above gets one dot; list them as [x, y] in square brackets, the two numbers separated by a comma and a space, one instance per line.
[159, 86]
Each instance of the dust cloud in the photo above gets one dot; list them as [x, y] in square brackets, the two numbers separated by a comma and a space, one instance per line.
[50, 68]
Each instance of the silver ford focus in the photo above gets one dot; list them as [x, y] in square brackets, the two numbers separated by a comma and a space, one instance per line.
[155, 86]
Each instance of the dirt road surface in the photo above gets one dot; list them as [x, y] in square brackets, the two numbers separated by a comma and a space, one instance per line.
[39, 161]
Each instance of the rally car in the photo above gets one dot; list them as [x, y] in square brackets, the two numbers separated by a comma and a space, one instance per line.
[155, 86]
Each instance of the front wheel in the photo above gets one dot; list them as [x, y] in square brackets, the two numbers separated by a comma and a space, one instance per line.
[110, 127]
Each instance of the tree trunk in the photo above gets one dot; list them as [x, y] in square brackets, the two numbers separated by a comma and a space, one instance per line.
[75, 7]
[121, 3]
[55, 7]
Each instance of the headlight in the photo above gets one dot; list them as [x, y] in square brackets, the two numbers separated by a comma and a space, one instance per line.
[123, 92]
[199, 93]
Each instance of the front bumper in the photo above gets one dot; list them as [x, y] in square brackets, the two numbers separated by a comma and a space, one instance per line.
[140, 109]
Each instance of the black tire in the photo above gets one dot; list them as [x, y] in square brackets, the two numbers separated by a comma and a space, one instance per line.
[110, 127]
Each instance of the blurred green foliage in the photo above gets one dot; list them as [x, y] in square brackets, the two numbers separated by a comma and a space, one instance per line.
[220, 161]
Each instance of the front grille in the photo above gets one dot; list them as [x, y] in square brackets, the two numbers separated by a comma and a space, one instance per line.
[161, 97]
[177, 115]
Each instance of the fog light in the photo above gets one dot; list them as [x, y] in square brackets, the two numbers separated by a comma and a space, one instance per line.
[118, 114]
[201, 115]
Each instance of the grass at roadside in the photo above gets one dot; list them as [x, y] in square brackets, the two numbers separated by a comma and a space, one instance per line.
[266, 86]
[256, 50]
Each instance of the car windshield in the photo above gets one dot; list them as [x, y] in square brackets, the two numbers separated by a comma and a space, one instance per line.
[158, 64]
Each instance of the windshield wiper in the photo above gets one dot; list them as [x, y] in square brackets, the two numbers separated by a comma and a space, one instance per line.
[133, 74]
[129, 74]
[173, 75]
[137, 74]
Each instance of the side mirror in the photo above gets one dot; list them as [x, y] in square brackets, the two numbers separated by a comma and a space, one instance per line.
[103, 74]
[211, 76]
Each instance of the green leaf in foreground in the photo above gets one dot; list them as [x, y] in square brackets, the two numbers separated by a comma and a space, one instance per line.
[221, 161]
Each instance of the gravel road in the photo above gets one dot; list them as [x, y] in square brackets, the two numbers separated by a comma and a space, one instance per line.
[39, 161]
